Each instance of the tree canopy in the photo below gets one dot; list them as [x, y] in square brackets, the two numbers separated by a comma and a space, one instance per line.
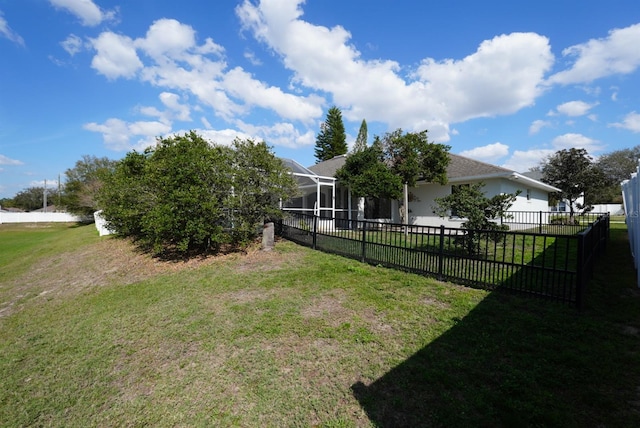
[412, 157]
[469, 202]
[616, 167]
[574, 173]
[188, 196]
[397, 158]
[83, 182]
[32, 198]
[366, 174]
[332, 139]
[361, 139]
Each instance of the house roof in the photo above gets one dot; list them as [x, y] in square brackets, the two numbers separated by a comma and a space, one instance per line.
[460, 169]
[329, 167]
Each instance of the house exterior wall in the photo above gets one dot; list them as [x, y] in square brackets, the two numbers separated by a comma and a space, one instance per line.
[422, 207]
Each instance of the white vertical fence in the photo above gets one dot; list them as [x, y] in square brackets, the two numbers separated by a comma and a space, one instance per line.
[38, 217]
[631, 198]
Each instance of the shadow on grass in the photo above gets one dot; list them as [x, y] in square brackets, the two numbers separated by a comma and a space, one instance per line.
[515, 361]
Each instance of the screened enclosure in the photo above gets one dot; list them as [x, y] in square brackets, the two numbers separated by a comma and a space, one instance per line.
[320, 196]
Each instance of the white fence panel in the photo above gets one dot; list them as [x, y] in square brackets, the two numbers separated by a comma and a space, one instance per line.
[613, 209]
[631, 198]
[101, 224]
[11, 217]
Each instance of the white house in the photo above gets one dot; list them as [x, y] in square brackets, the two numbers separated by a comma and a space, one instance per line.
[332, 200]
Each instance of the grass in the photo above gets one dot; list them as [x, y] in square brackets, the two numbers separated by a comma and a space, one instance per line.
[99, 335]
[539, 264]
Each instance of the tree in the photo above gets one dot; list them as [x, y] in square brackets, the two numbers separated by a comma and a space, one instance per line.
[573, 172]
[32, 198]
[412, 157]
[365, 173]
[615, 167]
[470, 202]
[260, 181]
[395, 160]
[83, 182]
[332, 139]
[361, 139]
[7, 203]
[186, 196]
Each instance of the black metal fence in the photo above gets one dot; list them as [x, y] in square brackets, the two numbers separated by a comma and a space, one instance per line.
[549, 222]
[556, 266]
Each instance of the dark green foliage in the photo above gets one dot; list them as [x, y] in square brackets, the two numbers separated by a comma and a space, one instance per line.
[573, 172]
[413, 158]
[83, 182]
[469, 202]
[563, 220]
[332, 139]
[32, 198]
[380, 170]
[616, 167]
[361, 139]
[188, 196]
[259, 182]
[366, 175]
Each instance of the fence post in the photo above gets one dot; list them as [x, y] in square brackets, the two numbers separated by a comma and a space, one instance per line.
[364, 242]
[315, 232]
[580, 274]
[441, 253]
[540, 223]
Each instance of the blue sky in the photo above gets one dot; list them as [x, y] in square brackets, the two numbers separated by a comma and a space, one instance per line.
[504, 82]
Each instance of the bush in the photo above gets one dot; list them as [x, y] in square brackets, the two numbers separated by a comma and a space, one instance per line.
[188, 196]
[564, 220]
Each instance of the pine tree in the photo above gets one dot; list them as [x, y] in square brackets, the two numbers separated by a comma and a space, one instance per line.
[361, 140]
[332, 139]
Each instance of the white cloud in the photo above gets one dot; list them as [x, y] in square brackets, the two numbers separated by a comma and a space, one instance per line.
[8, 33]
[4, 160]
[490, 152]
[616, 54]
[115, 56]
[575, 108]
[72, 44]
[86, 10]
[51, 183]
[280, 134]
[251, 57]
[631, 122]
[170, 57]
[206, 123]
[537, 125]
[118, 134]
[523, 160]
[571, 140]
[240, 84]
[172, 102]
[222, 137]
[167, 38]
[502, 76]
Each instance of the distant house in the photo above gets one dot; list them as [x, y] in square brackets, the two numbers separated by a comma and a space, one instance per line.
[325, 197]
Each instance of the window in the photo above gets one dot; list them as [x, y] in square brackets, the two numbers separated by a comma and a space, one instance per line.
[377, 208]
[528, 194]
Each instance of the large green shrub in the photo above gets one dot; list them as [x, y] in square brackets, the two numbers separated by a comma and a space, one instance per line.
[186, 195]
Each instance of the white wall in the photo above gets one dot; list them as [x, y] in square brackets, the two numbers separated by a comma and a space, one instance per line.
[613, 209]
[422, 208]
[11, 217]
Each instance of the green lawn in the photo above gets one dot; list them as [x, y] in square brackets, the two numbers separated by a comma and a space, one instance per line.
[94, 334]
